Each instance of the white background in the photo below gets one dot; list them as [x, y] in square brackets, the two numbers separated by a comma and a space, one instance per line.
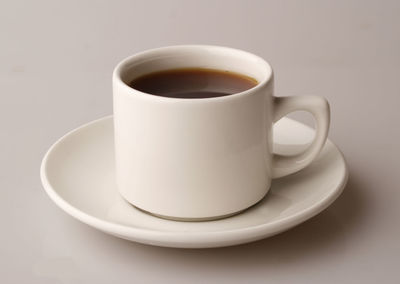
[56, 59]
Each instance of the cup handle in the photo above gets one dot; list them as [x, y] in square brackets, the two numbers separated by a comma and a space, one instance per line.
[319, 108]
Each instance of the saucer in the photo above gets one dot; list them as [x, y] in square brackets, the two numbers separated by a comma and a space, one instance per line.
[78, 175]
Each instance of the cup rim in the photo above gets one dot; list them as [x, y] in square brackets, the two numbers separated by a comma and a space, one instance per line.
[118, 71]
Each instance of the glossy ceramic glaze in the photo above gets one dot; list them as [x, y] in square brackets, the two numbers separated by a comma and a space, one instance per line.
[78, 174]
[199, 159]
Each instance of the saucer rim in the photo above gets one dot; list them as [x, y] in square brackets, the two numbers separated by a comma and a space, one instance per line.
[190, 239]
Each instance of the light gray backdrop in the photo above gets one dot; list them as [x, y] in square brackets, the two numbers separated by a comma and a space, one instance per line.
[56, 59]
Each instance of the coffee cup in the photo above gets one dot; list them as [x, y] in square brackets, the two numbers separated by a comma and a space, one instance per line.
[205, 158]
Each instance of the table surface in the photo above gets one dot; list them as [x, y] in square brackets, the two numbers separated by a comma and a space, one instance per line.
[56, 63]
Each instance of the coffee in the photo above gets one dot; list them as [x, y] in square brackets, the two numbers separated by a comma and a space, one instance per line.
[193, 83]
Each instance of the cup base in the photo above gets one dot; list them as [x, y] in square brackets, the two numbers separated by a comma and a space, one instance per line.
[182, 219]
[201, 219]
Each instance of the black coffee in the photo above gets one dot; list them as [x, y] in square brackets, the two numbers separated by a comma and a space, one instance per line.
[193, 83]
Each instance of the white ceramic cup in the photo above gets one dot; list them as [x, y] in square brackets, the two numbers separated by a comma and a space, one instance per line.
[203, 158]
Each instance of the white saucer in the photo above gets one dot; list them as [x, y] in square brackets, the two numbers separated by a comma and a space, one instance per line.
[78, 175]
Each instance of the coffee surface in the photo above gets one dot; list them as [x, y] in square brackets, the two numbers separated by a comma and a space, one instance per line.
[193, 83]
